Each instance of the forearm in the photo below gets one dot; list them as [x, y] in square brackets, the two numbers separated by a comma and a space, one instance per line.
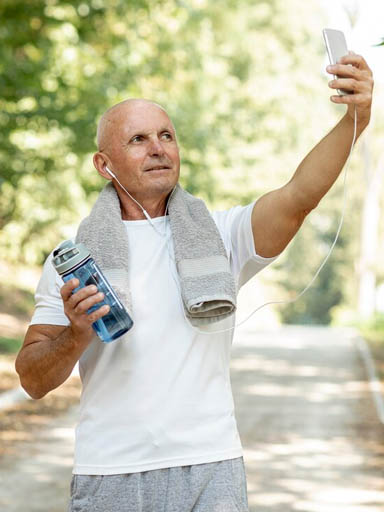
[50, 352]
[44, 364]
[321, 167]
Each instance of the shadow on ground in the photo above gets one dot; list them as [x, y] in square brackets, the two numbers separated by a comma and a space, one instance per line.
[311, 435]
[312, 438]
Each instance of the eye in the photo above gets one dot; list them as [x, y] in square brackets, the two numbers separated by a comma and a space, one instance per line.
[166, 135]
[137, 138]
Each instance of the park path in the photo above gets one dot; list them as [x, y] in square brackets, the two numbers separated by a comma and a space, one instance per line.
[311, 435]
[312, 438]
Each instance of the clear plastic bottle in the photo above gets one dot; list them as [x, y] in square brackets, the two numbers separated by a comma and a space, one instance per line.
[73, 260]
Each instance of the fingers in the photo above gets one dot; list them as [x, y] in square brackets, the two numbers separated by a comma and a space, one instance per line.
[95, 315]
[85, 296]
[77, 297]
[84, 303]
[68, 288]
[77, 305]
[356, 60]
[350, 85]
[348, 99]
[347, 71]
[354, 76]
[350, 65]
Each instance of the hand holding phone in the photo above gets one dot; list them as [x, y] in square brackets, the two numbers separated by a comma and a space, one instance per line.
[336, 47]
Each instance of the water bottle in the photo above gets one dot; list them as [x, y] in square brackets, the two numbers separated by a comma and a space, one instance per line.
[73, 260]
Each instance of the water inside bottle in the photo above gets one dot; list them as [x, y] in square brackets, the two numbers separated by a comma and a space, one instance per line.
[117, 322]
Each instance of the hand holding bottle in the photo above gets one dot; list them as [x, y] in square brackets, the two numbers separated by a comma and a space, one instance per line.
[77, 304]
[88, 287]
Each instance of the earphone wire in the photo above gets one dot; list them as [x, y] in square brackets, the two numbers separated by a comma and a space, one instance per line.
[290, 301]
[146, 214]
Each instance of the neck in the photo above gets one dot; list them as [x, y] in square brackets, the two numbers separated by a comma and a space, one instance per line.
[155, 207]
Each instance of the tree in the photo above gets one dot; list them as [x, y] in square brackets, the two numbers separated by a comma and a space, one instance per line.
[64, 62]
[243, 82]
[373, 182]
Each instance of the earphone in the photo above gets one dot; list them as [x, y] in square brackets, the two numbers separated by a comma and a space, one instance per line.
[289, 301]
[146, 214]
[110, 172]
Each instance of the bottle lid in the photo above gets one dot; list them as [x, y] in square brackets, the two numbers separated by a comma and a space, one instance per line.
[68, 255]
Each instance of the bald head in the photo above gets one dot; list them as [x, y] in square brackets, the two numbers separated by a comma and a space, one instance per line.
[137, 144]
[111, 120]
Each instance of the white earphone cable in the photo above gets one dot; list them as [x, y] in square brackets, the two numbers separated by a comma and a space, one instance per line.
[289, 301]
[146, 214]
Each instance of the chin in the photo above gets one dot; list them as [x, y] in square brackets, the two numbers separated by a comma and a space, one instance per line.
[163, 180]
[161, 187]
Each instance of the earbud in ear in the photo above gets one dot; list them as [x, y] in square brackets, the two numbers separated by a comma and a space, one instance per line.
[110, 172]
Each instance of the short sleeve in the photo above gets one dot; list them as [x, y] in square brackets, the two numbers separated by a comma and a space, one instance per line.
[235, 228]
[48, 302]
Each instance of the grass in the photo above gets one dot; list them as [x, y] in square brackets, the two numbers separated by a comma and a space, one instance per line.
[373, 329]
[377, 350]
[374, 336]
[373, 332]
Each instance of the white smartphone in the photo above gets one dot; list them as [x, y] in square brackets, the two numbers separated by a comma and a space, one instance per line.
[336, 47]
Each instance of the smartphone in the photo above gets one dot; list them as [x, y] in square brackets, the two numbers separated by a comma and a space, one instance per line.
[336, 47]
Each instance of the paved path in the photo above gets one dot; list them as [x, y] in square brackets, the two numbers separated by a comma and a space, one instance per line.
[312, 439]
[38, 479]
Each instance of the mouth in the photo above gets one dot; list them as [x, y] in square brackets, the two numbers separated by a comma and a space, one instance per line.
[158, 168]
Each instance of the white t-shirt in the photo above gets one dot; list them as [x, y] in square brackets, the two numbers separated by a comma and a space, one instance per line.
[160, 396]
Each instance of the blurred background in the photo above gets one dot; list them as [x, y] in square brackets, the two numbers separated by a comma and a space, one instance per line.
[244, 82]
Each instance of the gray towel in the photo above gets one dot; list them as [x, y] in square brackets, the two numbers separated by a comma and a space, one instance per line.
[104, 235]
[207, 286]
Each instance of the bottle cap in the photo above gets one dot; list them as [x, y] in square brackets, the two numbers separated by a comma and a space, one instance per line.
[68, 255]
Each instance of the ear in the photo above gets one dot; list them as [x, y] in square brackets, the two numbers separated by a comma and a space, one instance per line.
[100, 163]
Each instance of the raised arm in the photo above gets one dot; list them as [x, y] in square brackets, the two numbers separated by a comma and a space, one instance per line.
[278, 215]
[50, 352]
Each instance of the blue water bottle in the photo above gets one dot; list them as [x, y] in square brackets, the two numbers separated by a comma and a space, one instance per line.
[73, 260]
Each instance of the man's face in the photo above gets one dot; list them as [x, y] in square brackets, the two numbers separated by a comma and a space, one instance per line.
[143, 150]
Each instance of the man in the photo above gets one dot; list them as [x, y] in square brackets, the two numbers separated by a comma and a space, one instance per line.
[156, 430]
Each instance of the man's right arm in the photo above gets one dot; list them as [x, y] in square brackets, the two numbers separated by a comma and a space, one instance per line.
[50, 352]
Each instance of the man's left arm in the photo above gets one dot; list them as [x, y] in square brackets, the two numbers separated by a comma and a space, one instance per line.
[277, 216]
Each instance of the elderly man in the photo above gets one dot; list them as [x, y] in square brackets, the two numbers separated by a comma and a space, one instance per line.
[156, 429]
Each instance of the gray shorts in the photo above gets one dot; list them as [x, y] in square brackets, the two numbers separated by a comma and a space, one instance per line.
[213, 487]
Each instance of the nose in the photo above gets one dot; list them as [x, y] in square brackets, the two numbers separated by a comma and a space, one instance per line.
[156, 148]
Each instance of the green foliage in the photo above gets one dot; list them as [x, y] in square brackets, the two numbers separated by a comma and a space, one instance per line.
[242, 80]
[217, 67]
[16, 300]
[10, 345]
[373, 329]
[298, 265]
[303, 258]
